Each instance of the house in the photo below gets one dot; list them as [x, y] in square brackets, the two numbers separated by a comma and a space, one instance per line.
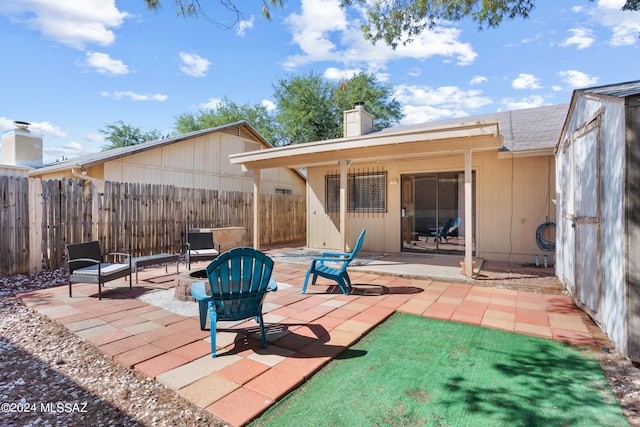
[598, 197]
[493, 175]
[194, 160]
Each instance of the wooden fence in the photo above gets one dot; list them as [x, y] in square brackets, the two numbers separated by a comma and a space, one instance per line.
[40, 217]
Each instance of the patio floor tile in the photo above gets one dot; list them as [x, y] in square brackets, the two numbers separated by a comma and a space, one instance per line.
[161, 363]
[275, 383]
[227, 408]
[207, 390]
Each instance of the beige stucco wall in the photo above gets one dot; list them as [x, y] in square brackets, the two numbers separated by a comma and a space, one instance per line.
[199, 162]
[513, 197]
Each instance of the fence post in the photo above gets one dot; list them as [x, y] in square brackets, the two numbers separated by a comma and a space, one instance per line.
[35, 225]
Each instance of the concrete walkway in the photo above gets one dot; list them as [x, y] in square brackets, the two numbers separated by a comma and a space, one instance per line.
[305, 332]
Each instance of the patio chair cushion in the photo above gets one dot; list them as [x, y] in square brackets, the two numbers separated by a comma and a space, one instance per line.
[105, 268]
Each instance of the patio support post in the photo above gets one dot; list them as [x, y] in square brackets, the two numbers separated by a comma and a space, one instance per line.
[468, 214]
[344, 164]
[256, 209]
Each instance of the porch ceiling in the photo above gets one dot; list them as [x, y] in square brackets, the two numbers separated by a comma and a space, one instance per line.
[386, 144]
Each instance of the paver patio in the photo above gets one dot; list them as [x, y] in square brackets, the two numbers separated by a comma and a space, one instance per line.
[305, 332]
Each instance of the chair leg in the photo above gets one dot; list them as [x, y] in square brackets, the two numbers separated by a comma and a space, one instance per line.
[342, 284]
[213, 315]
[99, 290]
[262, 334]
[306, 280]
[69, 288]
[203, 307]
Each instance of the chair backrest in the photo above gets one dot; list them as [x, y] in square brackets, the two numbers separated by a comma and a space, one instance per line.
[89, 250]
[200, 240]
[455, 226]
[238, 279]
[358, 245]
[444, 231]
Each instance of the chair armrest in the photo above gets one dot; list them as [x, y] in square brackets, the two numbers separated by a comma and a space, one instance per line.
[120, 254]
[273, 286]
[199, 292]
[328, 259]
[335, 254]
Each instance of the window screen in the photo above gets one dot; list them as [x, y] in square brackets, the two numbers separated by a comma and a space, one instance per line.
[366, 192]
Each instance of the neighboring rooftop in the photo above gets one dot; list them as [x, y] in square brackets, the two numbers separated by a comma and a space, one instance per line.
[527, 129]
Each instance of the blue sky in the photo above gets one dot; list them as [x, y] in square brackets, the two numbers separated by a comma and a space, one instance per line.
[71, 67]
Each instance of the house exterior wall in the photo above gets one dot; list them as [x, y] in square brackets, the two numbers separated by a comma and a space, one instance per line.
[198, 162]
[513, 197]
[610, 312]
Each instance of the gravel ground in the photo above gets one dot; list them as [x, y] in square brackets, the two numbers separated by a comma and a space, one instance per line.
[49, 376]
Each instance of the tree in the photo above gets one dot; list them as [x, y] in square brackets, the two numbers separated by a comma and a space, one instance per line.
[120, 134]
[228, 112]
[310, 108]
[396, 21]
[305, 108]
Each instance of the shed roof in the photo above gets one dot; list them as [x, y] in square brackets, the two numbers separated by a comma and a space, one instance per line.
[241, 128]
[621, 90]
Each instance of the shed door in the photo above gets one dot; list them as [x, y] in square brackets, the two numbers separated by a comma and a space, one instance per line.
[586, 217]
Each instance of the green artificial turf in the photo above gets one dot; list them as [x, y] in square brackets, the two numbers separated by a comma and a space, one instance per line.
[412, 371]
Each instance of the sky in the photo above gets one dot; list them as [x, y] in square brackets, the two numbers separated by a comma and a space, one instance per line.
[72, 67]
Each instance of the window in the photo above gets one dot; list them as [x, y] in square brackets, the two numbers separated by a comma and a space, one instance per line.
[365, 192]
[283, 191]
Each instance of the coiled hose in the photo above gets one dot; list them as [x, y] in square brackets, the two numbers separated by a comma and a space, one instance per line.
[544, 244]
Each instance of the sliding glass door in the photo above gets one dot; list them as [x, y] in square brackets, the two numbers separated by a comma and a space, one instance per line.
[433, 212]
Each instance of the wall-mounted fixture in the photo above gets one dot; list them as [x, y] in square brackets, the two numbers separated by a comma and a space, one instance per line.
[393, 181]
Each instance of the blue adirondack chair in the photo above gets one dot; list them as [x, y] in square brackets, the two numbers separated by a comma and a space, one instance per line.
[441, 233]
[339, 273]
[239, 280]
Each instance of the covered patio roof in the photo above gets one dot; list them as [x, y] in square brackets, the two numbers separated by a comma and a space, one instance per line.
[390, 143]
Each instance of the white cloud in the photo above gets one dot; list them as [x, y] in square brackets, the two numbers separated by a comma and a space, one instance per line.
[518, 104]
[211, 104]
[525, 81]
[577, 79]
[135, 96]
[73, 23]
[581, 38]
[625, 26]
[425, 104]
[269, 104]
[42, 128]
[323, 32]
[194, 65]
[104, 64]
[476, 80]
[335, 74]
[244, 25]
[6, 124]
[94, 137]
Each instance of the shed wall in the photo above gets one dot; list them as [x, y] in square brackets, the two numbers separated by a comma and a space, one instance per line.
[610, 312]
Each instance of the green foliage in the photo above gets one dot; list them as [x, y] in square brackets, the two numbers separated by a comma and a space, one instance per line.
[399, 21]
[228, 112]
[310, 108]
[120, 134]
[305, 108]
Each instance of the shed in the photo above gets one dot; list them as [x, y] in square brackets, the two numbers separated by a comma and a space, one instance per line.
[598, 209]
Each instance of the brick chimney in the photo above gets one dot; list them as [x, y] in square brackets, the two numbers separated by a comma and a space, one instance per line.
[21, 148]
[357, 122]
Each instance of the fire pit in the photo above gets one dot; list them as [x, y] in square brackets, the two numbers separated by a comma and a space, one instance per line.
[184, 281]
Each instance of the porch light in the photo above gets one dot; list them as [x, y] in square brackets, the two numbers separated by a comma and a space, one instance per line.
[393, 181]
